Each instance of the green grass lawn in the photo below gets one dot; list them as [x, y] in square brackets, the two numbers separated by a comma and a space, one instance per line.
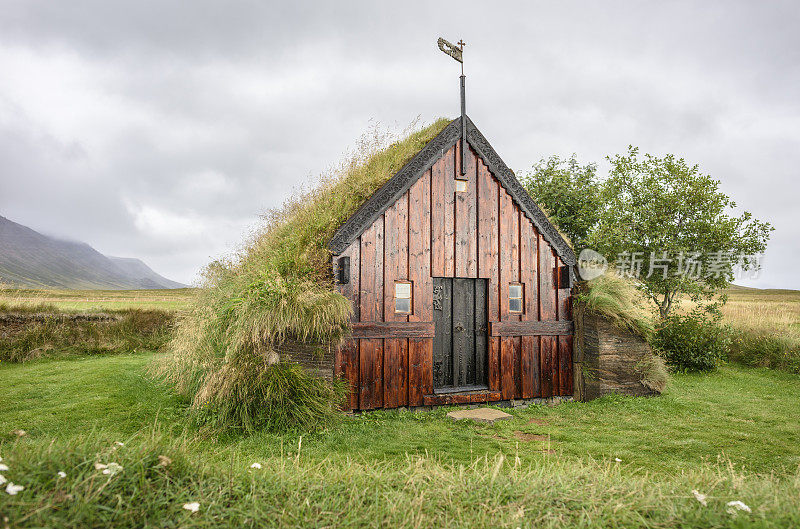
[734, 434]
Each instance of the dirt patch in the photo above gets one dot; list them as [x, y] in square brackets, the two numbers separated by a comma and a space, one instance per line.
[529, 437]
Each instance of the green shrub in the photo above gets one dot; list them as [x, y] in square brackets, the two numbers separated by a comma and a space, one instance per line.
[764, 349]
[279, 397]
[29, 335]
[691, 342]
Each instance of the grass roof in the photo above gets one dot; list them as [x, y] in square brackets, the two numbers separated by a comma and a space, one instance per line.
[277, 290]
[617, 299]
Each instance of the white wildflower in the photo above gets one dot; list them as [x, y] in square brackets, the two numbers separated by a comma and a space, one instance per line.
[700, 497]
[118, 443]
[100, 466]
[112, 468]
[256, 466]
[12, 489]
[2, 479]
[618, 460]
[733, 507]
[193, 506]
[3, 468]
[62, 474]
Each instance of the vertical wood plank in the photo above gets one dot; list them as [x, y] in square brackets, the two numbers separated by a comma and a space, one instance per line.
[443, 357]
[450, 210]
[549, 372]
[533, 304]
[509, 270]
[547, 311]
[442, 215]
[420, 351]
[564, 342]
[481, 331]
[466, 232]
[371, 288]
[494, 374]
[347, 365]
[529, 362]
[489, 260]
[395, 254]
[516, 266]
[419, 248]
[395, 350]
[420, 357]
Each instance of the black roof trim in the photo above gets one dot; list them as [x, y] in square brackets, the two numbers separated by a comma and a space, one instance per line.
[410, 173]
[392, 190]
[509, 181]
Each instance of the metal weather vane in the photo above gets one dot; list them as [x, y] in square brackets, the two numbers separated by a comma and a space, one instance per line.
[457, 53]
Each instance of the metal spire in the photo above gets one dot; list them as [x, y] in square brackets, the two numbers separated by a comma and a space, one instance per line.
[457, 53]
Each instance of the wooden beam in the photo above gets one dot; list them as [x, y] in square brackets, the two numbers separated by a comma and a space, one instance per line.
[531, 328]
[393, 329]
[461, 398]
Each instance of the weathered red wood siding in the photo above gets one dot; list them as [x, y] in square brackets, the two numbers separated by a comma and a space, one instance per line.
[432, 231]
[420, 350]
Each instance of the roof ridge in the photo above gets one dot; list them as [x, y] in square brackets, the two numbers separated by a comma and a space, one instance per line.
[396, 186]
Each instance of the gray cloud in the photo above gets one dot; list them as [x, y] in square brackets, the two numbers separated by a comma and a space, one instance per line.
[162, 129]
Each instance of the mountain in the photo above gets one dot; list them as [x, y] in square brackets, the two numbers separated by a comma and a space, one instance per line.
[30, 259]
[136, 268]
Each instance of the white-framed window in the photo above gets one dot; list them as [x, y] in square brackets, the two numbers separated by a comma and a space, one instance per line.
[516, 298]
[461, 186]
[402, 297]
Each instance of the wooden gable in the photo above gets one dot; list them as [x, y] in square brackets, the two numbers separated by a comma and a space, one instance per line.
[429, 230]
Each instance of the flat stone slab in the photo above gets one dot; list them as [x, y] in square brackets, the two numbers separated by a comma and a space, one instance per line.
[487, 415]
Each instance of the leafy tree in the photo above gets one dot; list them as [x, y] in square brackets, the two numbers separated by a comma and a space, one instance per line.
[569, 193]
[671, 222]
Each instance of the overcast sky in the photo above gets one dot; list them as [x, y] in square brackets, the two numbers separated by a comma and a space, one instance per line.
[162, 130]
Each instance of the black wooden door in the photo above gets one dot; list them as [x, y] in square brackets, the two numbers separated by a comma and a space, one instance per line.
[460, 350]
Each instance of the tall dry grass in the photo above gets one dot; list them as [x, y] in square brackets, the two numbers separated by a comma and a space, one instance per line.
[618, 300]
[278, 288]
[765, 327]
[33, 332]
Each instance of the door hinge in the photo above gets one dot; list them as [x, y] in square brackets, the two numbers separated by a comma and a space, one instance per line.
[437, 297]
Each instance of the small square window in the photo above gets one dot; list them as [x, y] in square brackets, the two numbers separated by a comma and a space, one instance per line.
[515, 298]
[461, 186]
[402, 297]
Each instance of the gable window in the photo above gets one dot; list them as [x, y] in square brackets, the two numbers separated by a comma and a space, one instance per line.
[516, 296]
[402, 297]
[461, 186]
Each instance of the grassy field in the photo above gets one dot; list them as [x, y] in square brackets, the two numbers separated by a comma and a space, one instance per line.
[733, 435]
[98, 300]
[764, 310]
[614, 462]
[766, 327]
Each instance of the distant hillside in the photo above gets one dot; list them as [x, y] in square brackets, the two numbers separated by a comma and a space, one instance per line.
[136, 268]
[30, 259]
